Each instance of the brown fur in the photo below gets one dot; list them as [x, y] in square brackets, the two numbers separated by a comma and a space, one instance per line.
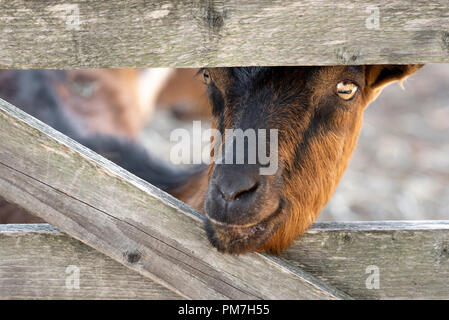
[106, 100]
[328, 151]
[185, 94]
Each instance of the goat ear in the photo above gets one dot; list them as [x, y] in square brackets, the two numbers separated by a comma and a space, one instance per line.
[378, 76]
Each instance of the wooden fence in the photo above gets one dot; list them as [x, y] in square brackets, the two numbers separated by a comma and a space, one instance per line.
[131, 240]
[142, 33]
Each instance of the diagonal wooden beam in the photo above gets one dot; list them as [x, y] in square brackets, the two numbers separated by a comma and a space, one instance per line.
[131, 221]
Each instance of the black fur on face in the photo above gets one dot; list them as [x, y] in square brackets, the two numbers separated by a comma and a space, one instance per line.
[317, 112]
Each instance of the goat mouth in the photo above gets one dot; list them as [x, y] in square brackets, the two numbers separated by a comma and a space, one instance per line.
[236, 239]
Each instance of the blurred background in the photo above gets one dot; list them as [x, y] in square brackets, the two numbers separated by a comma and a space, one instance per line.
[399, 171]
[400, 168]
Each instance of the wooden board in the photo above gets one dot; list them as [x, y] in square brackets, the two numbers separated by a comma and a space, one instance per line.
[411, 258]
[131, 221]
[133, 33]
[39, 262]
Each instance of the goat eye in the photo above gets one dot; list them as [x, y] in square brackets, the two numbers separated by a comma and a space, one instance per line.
[206, 76]
[346, 90]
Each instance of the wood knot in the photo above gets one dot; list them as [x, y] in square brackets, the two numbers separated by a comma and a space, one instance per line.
[213, 17]
[347, 55]
[445, 40]
[445, 253]
[133, 256]
[441, 252]
[347, 238]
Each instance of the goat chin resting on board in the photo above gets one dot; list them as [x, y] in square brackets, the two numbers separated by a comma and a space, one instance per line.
[317, 112]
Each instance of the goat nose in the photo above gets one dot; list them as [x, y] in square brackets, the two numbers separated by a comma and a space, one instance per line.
[236, 193]
[234, 189]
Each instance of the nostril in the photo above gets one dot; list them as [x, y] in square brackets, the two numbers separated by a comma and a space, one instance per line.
[232, 194]
[243, 192]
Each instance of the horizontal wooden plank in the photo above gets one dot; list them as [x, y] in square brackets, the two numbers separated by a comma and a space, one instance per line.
[131, 221]
[410, 255]
[93, 33]
[411, 258]
[40, 262]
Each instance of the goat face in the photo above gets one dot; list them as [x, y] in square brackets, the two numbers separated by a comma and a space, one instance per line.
[317, 112]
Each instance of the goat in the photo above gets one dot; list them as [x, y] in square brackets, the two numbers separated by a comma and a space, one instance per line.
[318, 114]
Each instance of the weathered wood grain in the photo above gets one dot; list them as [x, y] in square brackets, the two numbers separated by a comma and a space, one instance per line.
[93, 33]
[131, 221]
[412, 257]
[38, 261]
